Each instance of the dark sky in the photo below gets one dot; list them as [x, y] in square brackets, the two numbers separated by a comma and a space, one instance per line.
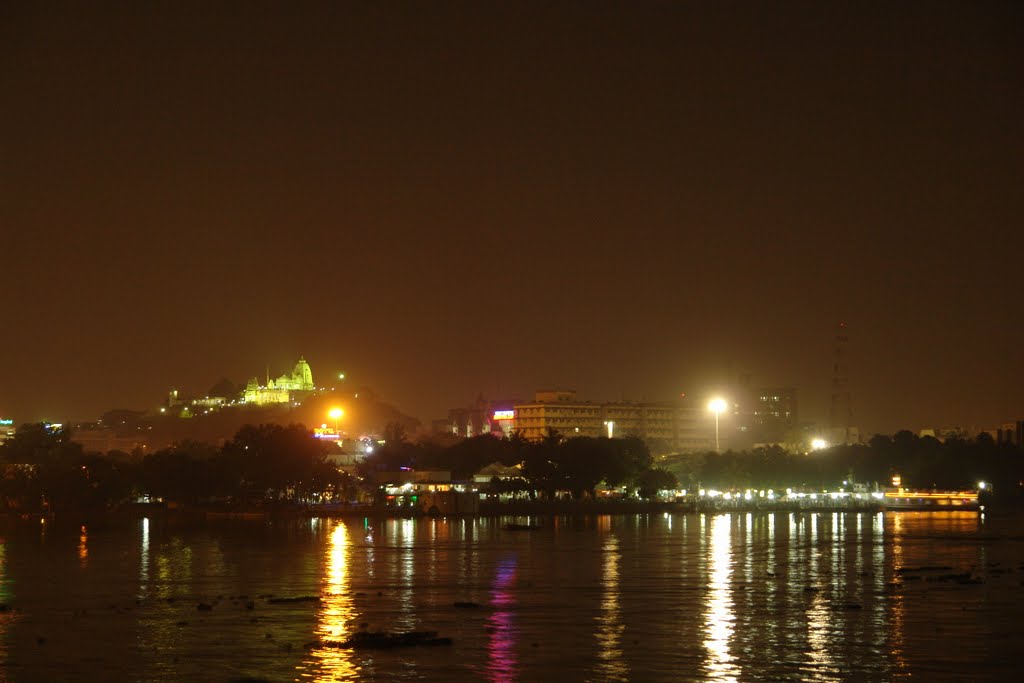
[441, 199]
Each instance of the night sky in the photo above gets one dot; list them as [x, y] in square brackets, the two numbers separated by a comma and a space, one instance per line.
[634, 200]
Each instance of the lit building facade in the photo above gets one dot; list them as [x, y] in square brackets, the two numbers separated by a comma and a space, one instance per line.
[558, 412]
[664, 426]
[649, 421]
[280, 390]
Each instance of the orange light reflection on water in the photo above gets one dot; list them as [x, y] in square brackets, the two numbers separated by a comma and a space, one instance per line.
[337, 614]
[898, 616]
[611, 665]
[83, 546]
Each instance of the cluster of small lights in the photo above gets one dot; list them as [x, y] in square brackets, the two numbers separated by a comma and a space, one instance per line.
[790, 494]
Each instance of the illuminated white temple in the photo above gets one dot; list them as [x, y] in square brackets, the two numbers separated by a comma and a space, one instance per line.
[280, 390]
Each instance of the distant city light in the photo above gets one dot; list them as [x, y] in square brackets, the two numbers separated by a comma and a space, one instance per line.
[818, 444]
[982, 485]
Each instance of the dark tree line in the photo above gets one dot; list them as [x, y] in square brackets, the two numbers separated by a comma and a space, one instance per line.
[45, 470]
[921, 462]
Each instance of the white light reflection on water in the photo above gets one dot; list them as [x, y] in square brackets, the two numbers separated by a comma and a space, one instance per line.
[878, 573]
[718, 610]
[337, 614]
[144, 559]
[406, 533]
[819, 615]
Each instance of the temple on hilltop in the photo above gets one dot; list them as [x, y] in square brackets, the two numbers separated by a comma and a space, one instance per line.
[280, 390]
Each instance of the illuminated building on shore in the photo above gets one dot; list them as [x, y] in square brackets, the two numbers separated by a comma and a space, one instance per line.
[280, 390]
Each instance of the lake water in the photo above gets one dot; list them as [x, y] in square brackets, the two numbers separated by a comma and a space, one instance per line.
[746, 597]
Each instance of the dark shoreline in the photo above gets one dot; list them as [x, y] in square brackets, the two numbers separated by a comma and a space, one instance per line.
[201, 513]
[188, 514]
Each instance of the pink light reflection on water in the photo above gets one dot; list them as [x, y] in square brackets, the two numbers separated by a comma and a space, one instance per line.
[502, 664]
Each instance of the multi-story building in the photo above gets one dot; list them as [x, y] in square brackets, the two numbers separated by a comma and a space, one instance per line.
[558, 412]
[682, 426]
[695, 428]
[775, 417]
[649, 421]
[666, 425]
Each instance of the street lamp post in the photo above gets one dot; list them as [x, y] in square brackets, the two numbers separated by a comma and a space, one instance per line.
[335, 413]
[717, 406]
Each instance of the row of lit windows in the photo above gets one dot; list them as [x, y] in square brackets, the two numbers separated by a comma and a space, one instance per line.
[557, 411]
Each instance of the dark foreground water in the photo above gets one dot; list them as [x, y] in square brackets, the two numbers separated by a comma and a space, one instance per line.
[829, 596]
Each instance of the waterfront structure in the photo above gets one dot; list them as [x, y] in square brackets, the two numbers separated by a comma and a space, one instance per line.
[498, 471]
[909, 499]
[282, 389]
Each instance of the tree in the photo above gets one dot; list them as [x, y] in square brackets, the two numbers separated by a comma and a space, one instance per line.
[275, 462]
[653, 480]
[39, 445]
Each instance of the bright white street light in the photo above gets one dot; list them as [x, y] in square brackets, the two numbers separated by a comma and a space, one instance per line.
[818, 444]
[717, 406]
